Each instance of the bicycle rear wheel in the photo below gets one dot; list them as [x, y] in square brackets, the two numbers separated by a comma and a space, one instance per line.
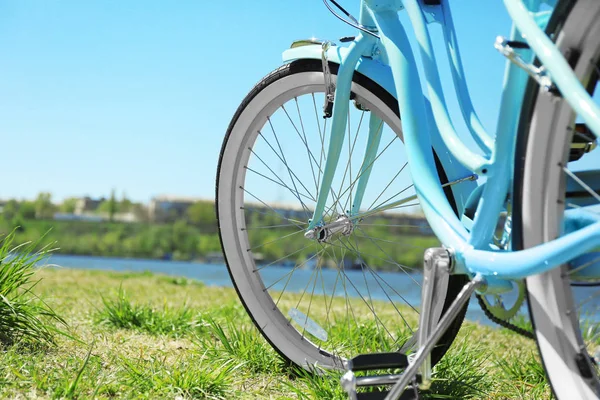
[321, 302]
[563, 304]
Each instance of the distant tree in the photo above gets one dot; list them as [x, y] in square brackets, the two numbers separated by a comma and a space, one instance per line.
[125, 205]
[202, 213]
[68, 205]
[18, 223]
[10, 210]
[27, 209]
[43, 206]
[179, 233]
[112, 206]
[103, 207]
[207, 244]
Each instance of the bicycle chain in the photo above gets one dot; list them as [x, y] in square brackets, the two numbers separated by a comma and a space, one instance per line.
[501, 322]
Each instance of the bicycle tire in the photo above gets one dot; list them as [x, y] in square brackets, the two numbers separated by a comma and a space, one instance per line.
[272, 324]
[542, 151]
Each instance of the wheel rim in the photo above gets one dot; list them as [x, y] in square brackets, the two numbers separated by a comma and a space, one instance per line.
[371, 316]
[560, 311]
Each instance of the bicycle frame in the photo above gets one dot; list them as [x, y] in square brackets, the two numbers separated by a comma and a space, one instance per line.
[389, 61]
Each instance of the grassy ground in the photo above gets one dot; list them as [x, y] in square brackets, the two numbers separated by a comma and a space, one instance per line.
[138, 335]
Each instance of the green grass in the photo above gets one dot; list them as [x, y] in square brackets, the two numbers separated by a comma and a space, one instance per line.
[121, 312]
[209, 380]
[24, 318]
[148, 336]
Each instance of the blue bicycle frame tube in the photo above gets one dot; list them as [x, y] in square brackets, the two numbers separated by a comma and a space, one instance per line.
[536, 260]
[503, 265]
[478, 132]
[473, 161]
[554, 62]
[494, 195]
[338, 122]
[496, 189]
[375, 130]
[425, 124]
[440, 215]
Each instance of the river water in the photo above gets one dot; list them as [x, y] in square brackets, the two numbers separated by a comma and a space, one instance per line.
[217, 275]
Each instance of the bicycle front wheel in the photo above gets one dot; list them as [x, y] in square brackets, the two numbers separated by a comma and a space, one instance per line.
[319, 302]
[553, 176]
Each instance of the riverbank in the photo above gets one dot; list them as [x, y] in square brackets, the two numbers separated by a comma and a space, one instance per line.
[140, 335]
[382, 247]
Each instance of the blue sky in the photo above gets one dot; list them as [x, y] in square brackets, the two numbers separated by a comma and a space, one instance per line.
[137, 95]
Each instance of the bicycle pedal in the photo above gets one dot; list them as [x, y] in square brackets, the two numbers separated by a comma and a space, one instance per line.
[366, 362]
[352, 384]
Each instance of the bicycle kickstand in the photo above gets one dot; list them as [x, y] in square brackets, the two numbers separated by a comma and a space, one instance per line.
[437, 268]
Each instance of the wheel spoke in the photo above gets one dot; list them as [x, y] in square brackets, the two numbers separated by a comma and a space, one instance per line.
[361, 169]
[275, 240]
[305, 141]
[343, 272]
[582, 184]
[267, 227]
[362, 268]
[348, 304]
[290, 172]
[296, 194]
[402, 267]
[391, 287]
[271, 208]
[281, 259]
[271, 211]
[379, 279]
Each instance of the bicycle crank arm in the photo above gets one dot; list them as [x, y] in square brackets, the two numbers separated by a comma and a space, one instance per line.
[424, 351]
[437, 266]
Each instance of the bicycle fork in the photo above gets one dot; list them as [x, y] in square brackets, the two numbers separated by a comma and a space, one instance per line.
[360, 46]
[365, 46]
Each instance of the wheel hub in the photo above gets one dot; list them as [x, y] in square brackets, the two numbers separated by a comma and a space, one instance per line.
[341, 226]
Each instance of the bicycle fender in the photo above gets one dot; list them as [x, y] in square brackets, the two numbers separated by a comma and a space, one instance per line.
[373, 69]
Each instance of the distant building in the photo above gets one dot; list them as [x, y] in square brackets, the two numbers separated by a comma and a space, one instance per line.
[166, 208]
[296, 213]
[410, 220]
[125, 217]
[283, 210]
[77, 217]
[96, 217]
[86, 205]
[86, 209]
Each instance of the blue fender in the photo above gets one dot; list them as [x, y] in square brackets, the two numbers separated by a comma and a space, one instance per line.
[371, 68]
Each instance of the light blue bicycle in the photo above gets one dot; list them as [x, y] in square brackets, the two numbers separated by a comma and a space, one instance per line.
[337, 168]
